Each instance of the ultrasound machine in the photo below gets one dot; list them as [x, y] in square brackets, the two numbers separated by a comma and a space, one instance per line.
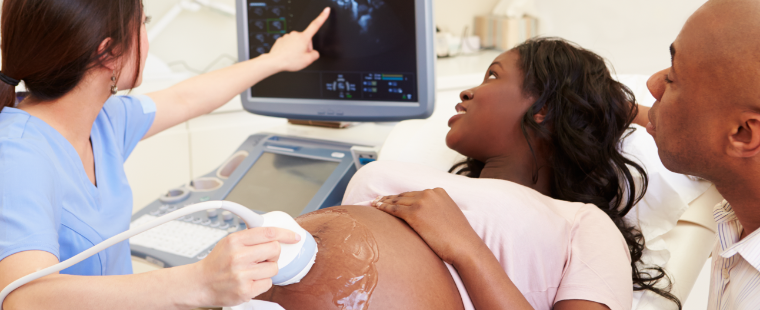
[376, 64]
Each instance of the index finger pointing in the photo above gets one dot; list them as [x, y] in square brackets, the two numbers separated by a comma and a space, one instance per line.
[317, 23]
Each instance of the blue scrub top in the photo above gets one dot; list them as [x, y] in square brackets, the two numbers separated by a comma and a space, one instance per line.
[48, 203]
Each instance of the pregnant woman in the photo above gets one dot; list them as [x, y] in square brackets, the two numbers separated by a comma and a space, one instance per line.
[532, 220]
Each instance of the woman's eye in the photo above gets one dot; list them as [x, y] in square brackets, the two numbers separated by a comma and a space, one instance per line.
[491, 75]
[667, 79]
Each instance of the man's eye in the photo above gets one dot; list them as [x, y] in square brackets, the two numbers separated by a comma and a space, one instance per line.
[491, 75]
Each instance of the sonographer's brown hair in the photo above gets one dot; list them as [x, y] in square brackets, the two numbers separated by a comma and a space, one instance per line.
[51, 44]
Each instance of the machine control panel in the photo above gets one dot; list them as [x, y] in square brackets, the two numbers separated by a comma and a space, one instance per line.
[266, 173]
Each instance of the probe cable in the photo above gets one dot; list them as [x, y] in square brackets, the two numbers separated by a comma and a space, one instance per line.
[252, 219]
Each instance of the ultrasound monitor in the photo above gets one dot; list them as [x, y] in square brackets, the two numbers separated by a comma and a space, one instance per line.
[376, 59]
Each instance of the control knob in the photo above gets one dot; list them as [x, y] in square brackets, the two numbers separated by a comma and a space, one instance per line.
[227, 216]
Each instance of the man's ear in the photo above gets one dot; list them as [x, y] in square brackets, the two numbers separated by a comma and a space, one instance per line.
[744, 140]
[107, 59]
[541, 115]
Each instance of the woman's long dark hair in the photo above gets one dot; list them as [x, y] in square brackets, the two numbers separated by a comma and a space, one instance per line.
[51, 44]
[587, 115]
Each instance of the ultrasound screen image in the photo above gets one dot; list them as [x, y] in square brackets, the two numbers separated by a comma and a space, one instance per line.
[367, 49]
[279, 182]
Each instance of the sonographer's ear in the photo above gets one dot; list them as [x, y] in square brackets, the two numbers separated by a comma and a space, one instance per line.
[107, 59]
[744, 140]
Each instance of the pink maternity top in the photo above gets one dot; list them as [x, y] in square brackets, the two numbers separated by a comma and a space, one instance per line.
[552, 250]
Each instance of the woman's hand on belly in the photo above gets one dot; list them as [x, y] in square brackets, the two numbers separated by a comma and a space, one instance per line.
[368, 260]
[437, 219]
[443, 226]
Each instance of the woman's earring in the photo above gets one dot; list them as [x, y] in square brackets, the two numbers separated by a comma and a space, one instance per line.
[113, 84]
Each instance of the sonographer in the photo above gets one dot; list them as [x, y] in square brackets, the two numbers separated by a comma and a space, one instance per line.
[62, 150]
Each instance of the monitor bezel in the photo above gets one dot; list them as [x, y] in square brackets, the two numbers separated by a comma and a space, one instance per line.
[352, 110]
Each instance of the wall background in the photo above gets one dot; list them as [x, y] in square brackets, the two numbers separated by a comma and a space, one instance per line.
[633, 35]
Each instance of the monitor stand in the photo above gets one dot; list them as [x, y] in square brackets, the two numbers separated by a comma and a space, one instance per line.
[327, 124]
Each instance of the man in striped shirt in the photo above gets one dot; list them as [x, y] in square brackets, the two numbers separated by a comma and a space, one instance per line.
[706, 122]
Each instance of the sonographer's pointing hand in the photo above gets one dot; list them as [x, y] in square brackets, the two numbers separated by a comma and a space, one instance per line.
[294, 51]
[241, 265]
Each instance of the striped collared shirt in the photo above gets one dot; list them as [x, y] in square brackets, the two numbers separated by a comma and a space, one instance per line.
[735, 277]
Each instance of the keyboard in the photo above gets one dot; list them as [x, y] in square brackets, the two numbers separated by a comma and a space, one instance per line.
[177, 237]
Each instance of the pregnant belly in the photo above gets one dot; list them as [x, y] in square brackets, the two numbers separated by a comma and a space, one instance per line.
[368, 259]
